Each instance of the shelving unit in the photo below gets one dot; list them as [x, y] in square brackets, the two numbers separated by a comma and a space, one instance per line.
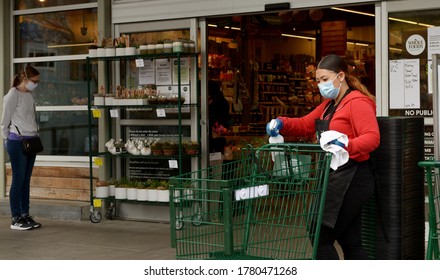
[178, 122]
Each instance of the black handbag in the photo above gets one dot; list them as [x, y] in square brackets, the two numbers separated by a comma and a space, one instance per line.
[31, 145]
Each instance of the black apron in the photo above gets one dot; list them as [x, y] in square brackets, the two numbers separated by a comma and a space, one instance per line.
[339, 180]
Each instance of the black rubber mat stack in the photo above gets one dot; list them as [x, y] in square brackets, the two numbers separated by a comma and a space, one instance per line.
[398, 205]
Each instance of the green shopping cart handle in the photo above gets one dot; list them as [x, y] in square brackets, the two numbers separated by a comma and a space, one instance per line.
[431, 163]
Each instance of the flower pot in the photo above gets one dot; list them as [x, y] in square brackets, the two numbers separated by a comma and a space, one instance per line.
[177, 47]
[120, 51]
[159, 48]
[143, 49]
[109, 51]
[151, 49]
[167, 152]
[130, 51]
[100, 52]
[93, 52]
[109, 101]
[98, 100]
[157, 152]
[121, 193]
[168, 47]
[163, 195]
[152, 195]
[131, 193]
[142, 194]
[102, 192]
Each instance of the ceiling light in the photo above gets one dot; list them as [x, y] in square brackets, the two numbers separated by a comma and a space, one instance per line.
[298, 36]
[390, 18]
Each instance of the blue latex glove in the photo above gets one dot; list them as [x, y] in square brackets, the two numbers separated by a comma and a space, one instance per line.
[337, 142]
[273, 127]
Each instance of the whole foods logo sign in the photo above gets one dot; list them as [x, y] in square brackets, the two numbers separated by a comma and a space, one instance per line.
[415, 44]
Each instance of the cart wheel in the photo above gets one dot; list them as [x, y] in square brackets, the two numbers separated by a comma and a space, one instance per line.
[95, 216]
[179, 225]
[197, 219]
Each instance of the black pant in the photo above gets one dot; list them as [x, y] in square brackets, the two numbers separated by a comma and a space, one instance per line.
[347, 230]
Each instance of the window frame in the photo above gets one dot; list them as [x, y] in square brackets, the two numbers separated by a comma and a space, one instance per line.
[49, 59]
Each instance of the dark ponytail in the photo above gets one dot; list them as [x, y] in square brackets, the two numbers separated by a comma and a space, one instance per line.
[28, 72]
[336, 64]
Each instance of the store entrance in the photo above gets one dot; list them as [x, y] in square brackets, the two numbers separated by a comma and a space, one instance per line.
[265, 63]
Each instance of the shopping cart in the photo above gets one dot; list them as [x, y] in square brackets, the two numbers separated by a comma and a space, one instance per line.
[432, 172]
[267, 205]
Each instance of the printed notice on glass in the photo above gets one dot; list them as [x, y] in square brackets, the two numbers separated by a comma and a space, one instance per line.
[433, 41]
[163, 72]
[184, 71]
[146, 73]
[405, 84]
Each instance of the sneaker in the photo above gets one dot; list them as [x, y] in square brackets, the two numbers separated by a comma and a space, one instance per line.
[20, 224]
[30, 221]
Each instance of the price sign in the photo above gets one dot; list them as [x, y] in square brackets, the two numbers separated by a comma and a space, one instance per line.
[160, 113]
[98, 161]
[114, 113]
[173, 163]
[139, 63]
[96, 113]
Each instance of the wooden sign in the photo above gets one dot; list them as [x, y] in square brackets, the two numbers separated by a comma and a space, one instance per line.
[333, 38]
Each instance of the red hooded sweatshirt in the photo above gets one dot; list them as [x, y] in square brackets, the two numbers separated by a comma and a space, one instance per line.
[355, 117]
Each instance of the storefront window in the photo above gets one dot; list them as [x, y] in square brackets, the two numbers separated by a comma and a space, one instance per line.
[61, 96]
[65, 133]
[410, 95]
[62, 83]
[55, 33]
[31, 4]
[61, 100]
[266, 63]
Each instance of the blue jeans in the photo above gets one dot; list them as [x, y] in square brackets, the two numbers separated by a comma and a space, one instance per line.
[22, 166]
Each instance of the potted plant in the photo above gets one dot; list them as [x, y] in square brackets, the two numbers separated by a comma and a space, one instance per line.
[121, 189]
[142, 191]
[151, 48]
[152, 190]
[163, 192]
[101, 189]
[159, 47]
[156, 148]
[132, 190]
[167, 46]
[170, 148]
[120, 46]
[190, 147]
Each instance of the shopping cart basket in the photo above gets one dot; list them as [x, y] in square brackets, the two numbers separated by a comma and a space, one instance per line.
[432, 172]
[267, 205]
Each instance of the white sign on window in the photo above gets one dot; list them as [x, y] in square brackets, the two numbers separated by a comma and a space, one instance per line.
[405, 84]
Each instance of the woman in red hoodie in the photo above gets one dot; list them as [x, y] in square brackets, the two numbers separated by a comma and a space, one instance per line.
[351, 110]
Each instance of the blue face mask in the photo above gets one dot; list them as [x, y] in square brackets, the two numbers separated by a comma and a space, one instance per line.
[328, 90]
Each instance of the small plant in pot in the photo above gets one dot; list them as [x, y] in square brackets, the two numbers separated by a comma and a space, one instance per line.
[190, 147]
[102, 189]
[142, 191]
[152, 190]
[163, 191]
[156, 148]
[121, 188]
[170, 148]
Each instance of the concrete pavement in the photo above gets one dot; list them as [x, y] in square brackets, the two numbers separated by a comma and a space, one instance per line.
[83, 240]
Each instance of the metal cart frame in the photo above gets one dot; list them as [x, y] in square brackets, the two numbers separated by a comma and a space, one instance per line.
[267, 205]
[432, 173]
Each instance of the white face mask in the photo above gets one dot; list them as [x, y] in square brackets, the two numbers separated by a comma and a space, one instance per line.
[31, 86]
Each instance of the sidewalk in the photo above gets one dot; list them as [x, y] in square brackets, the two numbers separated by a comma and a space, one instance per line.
[83, 240]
